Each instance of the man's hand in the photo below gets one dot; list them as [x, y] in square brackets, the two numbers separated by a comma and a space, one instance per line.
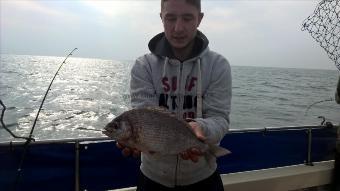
[197, 129]
[127, 151]
[194, 153]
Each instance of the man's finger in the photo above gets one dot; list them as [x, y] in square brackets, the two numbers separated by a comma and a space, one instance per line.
[199, 133]
[126, 152]
[200, 136]
[120, 146]
[197, 129]
[184, 155]
[193, 158]
[136, 153]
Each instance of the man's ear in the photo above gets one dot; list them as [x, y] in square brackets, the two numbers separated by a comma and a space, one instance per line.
[160, 15]
[200, 17]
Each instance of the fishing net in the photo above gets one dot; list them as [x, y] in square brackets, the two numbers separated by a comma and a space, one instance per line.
[324, 26]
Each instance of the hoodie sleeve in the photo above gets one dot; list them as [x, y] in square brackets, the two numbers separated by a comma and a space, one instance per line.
[217, 103]
[142, 91]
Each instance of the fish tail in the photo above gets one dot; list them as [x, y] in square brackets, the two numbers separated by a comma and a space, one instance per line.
[218, 151]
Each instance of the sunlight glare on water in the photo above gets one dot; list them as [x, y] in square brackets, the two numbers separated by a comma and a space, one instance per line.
[85, 94]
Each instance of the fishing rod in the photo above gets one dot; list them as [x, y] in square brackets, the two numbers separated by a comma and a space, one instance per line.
[4, 126]
[317, 102]
[28, 141]
[48, 89]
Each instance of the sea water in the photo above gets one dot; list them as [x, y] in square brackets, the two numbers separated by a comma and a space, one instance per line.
[88, 93]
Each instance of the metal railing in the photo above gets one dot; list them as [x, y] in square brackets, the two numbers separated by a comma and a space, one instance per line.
[98, 139]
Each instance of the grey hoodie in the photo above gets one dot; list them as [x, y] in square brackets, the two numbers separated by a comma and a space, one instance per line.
[197, 88]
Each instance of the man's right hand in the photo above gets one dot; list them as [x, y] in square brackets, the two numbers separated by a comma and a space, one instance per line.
[127, 151]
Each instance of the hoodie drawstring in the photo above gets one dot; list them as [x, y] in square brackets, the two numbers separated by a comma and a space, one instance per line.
[179, 78]
[166, 62]
[199, 90]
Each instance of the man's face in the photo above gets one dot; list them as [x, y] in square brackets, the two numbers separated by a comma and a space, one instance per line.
[180, 21]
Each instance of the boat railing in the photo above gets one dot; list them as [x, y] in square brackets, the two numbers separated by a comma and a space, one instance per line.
[16, 142]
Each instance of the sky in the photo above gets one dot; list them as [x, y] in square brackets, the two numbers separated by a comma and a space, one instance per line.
[247, 32]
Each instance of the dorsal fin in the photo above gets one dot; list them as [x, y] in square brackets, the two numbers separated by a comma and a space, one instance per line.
[162, 110]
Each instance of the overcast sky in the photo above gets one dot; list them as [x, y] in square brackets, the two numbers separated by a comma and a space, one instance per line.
[252, 33]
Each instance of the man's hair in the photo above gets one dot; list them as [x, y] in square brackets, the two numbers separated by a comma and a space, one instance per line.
[196, 3]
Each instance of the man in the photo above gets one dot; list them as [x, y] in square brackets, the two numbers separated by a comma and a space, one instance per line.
[337, 92]
[183, 75]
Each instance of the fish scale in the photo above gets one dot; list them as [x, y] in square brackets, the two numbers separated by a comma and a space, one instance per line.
[153, 130]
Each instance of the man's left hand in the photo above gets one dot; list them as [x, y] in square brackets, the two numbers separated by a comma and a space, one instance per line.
[194, 153]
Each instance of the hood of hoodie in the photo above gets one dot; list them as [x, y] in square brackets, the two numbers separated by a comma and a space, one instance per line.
[159, 45]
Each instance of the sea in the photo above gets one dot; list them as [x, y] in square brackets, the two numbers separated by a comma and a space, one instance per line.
[88, 93]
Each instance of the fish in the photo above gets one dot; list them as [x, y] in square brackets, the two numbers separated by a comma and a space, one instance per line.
[156, 130]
